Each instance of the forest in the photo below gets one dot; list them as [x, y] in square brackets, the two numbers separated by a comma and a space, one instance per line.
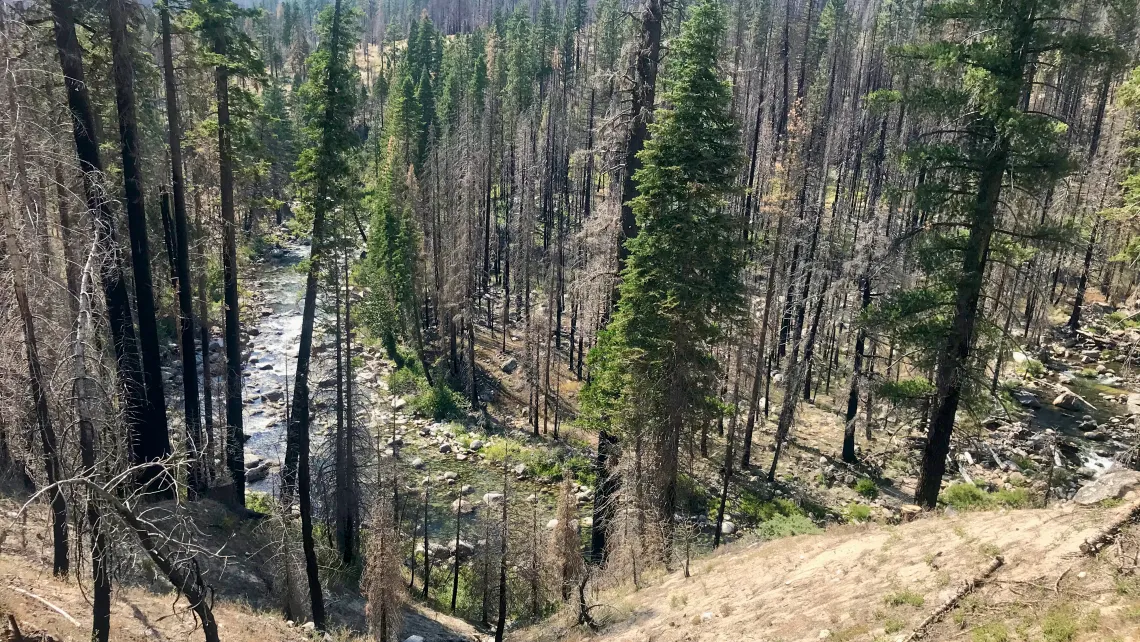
[487, 307]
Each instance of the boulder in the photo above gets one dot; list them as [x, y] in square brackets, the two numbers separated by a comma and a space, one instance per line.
[476, 445]
[509, 366]
[417, 463]
[274, 395]
[414, 638]
[1133, 403]
[1069, 401]
[445, 448]
[492, 498]
[727, 528]
[1112, 485]
[450, 475]
[1025, 398]
[257, 474]
[252, 460]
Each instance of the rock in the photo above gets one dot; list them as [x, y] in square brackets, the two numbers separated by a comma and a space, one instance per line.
[257, 474]
[1096, 435]
[414, 638]
[266, 312]
[449, 475]
[308, 626]
[1112, 485]
[1133, 403]
[706, 616]
[509, 366]
[1019, 357]
[398, 402]
[445, 448]
[1025, 398]
[417, 463]
[274, 396]
[492, 498]
[727, 528]
[824, 634]
[467, 489]
[1069, 401]
[552, 524]
[476, 445]
[520, 469]
[252, 460]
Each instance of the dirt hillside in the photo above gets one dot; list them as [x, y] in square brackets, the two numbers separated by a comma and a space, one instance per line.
[878, 582]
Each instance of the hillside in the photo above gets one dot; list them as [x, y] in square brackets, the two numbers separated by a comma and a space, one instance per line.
[852, 582]
[878, 582]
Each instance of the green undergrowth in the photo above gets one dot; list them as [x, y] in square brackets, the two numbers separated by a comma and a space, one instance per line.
[964, 497]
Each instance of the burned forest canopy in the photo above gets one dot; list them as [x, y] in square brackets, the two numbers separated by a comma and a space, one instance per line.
[489, 304]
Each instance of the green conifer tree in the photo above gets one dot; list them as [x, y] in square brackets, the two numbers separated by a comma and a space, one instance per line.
[654, 373]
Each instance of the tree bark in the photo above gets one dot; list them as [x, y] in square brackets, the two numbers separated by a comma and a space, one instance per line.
[91, 166]
[198, 479]
[235, 433]
[152, 443]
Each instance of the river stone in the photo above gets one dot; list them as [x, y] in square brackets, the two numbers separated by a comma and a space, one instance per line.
[727, 528]
[1025, 398]
[1133, 403]
[1069, 401]
[274, 395]
[445, 448]
[492, 498]
[252, 460]
[468, 506]
[1112, 485]
[451, 475]
[257, 474]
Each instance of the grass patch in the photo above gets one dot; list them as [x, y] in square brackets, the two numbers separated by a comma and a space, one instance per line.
[893, 625]
[990, 632]
[787, 526]
[905, 597]
[857, 513]
[1060, 624]
[964, 497]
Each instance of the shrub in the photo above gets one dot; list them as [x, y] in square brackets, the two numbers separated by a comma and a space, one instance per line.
[1034, 368]
[440, 403]
[867, 488]
[965, 497]
[787, 526]
[404, 381]
[757, 510]
[858, 513]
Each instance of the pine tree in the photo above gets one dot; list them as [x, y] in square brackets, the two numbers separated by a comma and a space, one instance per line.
[985, 142]
[654, 369]
[325, 182]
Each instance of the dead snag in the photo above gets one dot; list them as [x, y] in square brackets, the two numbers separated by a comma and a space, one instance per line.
[920, 631]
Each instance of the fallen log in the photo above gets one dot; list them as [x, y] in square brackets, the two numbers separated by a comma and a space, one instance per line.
[920, 631]
[1107, 535]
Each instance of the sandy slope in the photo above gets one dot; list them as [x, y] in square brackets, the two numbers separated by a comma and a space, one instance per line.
[865, 583]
